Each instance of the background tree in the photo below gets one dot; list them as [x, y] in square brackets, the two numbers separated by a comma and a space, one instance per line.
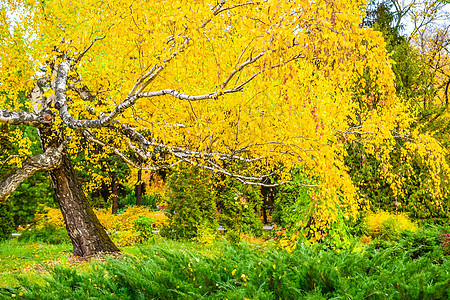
[415, 85]
[271, 84]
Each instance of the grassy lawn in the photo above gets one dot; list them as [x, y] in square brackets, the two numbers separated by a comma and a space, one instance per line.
[412, 267]
[29, 259]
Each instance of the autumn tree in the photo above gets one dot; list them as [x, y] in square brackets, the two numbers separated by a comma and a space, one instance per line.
[415, 84]
[271, 84]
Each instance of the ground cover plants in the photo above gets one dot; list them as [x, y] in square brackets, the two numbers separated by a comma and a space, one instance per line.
[409, 267]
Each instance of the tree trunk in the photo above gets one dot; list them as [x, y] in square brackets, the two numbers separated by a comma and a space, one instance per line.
[138, 189]
[87, 234]
[115, 204]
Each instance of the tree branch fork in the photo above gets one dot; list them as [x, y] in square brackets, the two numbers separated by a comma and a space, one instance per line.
[82, 127]
[46, 161]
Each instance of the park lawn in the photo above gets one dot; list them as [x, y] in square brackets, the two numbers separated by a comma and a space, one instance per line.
[166, 269]
[35, 259]
[29, 259]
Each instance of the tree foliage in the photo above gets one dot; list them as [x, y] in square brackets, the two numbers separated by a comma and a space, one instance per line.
[273, 84]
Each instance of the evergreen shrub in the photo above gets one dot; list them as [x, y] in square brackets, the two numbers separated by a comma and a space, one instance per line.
[292, 201]
[147, 200]
[240, 207]
[173, 270]
[48, 233]
[6, 221]
[191, 203]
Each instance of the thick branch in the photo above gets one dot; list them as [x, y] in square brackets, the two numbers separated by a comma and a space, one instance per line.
[19, 117]
[244, 179]
[39, 163]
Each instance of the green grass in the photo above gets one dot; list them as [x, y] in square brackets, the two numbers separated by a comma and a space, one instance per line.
[165, 269]
[27, 258]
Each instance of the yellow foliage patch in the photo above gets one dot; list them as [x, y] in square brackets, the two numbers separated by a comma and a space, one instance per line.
[378, 223]
[206, 235]
[53, 216]
[120, 227]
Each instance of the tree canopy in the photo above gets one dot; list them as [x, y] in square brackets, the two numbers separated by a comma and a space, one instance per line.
[276, 85]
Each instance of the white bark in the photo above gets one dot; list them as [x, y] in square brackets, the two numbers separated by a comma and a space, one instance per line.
[19, 117]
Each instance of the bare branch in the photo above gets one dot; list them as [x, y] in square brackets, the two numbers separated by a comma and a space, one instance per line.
[181, 96]
[244, 179]
[89, 47]
[241, 67]
[149, 77]
[236, 5]
[92, 138]
[215, 11]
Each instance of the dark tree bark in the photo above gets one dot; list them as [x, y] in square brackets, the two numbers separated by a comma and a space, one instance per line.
[87, 234]
[115, 204]
[138, 189]
[446, 93]
[268, 194]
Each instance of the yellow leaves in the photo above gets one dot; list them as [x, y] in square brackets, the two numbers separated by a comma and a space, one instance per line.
[120, 227]
[292, 111]
[376, 222]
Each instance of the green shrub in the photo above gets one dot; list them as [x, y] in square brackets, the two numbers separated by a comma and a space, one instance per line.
[148, 200]
[240, 207]
[191, 202]
[49, 234]
[296, 220]
[6, 221]
[144, 226]
[205, 234]
[183, 271]
[415, 199]
[233, 237]
[412, 244]
[32, 192]
[292, 201]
